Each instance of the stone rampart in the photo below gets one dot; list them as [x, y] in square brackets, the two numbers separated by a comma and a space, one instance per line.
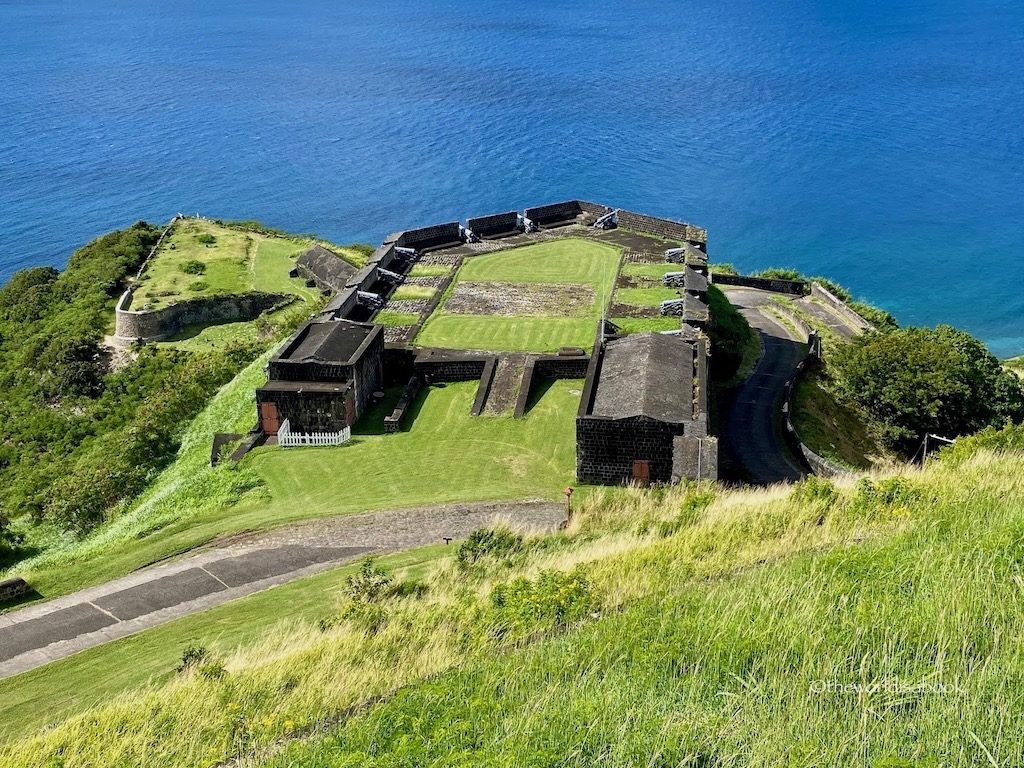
[794, 287]
[824, 295]
[496, 225]
[151, 325]
[436, 236]
[393, 422]
[555, 214]
[13, 588]
[442, 365]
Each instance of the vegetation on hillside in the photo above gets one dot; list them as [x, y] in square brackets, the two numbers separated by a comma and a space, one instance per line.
[868, 622]
[734, 344]
[917, 380]
[882, 320]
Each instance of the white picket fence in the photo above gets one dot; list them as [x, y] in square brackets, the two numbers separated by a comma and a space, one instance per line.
[288, 439]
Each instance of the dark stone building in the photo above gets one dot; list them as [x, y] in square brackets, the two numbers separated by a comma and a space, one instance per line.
[643, 415]
[322, 378]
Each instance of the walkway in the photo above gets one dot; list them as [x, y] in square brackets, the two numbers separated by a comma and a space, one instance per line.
[752, 427]
[236, 567]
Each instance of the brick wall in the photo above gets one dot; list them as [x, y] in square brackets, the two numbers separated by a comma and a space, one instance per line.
[436, 236]
[694, 458]
[556, 213]
[607, 448]
[435, 366]
[393, 422]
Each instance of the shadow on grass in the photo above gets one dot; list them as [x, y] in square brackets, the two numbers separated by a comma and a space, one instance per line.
[541, 386]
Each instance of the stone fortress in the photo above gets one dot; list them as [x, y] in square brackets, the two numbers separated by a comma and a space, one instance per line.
[643, 414]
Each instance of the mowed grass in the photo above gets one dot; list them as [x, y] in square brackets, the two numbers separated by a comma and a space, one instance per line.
[646, 297]
[445, 455]
[48, 694]
[643, 324]
[570, 261]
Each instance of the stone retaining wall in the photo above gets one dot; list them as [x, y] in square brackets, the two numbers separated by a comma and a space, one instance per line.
[393, 422]
[795, 287]
[824, 295]
[495, 225]
[442, 365]
[151, 325]
[13, 588]
[548, 367]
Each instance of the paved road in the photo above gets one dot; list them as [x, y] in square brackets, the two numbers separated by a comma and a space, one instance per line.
[235, 567]
[752, 426]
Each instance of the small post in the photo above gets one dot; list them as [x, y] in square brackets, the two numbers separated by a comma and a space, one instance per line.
[568, 504]
[446, 539]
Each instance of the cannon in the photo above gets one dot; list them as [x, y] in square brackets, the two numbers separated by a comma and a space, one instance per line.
[526, 225]
[387, 274]
[409, 253]
[675, 255]
[372, 300]
[673, 308]
[608, 220]
[467, 235]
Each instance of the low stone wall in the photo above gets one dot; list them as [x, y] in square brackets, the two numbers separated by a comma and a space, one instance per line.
[484, 388]
[440, 365]
[607, 448]
[548, 367]
[151, 325]
[393, 422]
[663, 228]
[436, 236]
[495, 225]
[554, 214]
[13, 588]
[824, 295]
[795, 287]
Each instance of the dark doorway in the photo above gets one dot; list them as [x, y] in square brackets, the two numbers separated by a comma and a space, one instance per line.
[642, 471]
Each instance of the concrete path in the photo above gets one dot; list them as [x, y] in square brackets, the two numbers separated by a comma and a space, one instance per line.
[234, 567]
[753, 425]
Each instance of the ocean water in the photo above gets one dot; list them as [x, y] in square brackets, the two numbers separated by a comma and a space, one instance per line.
[880, 143]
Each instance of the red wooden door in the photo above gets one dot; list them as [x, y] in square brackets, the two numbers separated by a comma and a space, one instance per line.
[269, 419]
[642, 471]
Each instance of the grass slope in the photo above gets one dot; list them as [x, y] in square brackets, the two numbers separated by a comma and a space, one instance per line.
[446, 456]
[870, 623]
[569, 261]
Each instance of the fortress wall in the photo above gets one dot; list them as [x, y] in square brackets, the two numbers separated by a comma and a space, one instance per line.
[664, 228]
[795, 287]
[494, 225]
[143, 325]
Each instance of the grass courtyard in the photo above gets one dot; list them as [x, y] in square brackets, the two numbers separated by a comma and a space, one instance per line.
[577, 277]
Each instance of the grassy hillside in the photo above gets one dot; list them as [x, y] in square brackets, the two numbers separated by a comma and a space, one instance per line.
[446, 455]
[872, 623]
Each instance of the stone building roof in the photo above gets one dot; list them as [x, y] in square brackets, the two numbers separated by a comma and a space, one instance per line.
[335, 341]
[646, 374]
[695, 281]
[326, 268]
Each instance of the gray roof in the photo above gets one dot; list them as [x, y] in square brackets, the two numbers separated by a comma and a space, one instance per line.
[695, 256]
[646, 374]
[325, 267]
[334, 341]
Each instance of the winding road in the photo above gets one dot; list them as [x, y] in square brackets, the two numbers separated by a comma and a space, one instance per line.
[752, 426]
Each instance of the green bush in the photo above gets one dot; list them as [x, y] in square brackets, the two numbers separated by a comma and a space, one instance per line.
[206, 239]
[779, 273]
[369, 584]
[814, 489]
[497, 543]
[728, 331]
[916, 380]
[198, 286]
[723, 269]
[193, 266]
[553, 599]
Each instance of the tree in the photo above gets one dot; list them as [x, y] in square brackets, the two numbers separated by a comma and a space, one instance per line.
[917, 380]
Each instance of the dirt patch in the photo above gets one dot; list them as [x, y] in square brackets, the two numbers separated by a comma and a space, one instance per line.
[628, 310]
[520, 299]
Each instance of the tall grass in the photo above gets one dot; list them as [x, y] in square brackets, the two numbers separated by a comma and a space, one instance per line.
[668, 626]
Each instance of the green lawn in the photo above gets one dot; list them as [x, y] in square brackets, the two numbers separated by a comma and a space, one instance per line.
[412, 292]
[389, 318]
[50, 693]
[235, 262]
[642, 324]
[569, 261]
[191, 503]
[646, 297]
[654, 271]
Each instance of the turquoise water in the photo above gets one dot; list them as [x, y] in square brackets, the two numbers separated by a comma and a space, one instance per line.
[879, 143]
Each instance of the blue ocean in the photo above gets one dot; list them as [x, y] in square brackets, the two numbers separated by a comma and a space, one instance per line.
[880, 143]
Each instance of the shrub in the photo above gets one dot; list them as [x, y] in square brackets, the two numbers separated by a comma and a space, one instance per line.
[779, 273]
[554, 599]
[369, 584]
[206, 238]
[728, 331]
[197, 659]
[916, 380]
[723, 269]
[198, 286]
[814, 489]
[193, 267]
[498, 543]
